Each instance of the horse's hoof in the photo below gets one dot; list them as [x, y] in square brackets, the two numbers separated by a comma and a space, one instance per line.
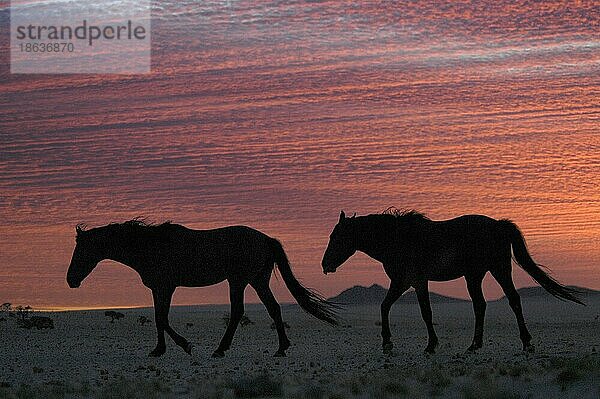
[473, 348]
[156, 353]
[387, 347]
[218, 354]
[188, 349]
[430, 350]
[529, 348]
[279, 353]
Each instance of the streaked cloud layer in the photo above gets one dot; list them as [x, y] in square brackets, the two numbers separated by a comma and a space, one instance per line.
[279, 114]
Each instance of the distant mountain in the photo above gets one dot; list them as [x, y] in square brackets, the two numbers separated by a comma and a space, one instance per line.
[373, 295]
[359, 295]
[539, 292]
[411, 297]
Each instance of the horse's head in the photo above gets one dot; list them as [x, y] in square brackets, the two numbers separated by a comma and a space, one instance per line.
[85, 257]
[342, 244]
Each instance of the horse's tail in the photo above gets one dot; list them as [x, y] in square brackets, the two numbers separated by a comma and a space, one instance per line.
[524, 259]
[309, 300]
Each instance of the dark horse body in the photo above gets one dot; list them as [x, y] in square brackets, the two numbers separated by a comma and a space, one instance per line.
[414, 250]
[169, 255]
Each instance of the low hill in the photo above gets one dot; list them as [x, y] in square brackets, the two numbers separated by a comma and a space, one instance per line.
[359, 295]
[373, 295]
[539, 292]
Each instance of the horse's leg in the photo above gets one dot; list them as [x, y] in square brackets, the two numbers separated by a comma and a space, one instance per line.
[179, 340]
[396, 290]
[266, 296]
[162, 303]
[422, 290]
[504, 278]
[236, 296]
[160, 315]
[479, 305]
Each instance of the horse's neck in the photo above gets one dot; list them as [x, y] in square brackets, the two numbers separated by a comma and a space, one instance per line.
[375, 238]
[120, 250]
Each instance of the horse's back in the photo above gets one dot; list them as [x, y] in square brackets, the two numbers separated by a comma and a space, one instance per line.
[457, 246]
[467, 225]
[218, 254]
[236, 232]
[472, 219]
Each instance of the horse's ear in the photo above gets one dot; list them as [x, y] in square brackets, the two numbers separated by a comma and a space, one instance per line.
[342, 216]
[79, 229]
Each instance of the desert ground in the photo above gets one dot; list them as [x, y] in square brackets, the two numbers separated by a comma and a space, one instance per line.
[86, 355]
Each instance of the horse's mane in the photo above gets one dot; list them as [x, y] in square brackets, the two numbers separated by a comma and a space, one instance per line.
[408, 215]
[136, 224]
[141, 222]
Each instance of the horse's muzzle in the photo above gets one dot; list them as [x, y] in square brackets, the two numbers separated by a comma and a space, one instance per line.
[72, 283]
[328, 270]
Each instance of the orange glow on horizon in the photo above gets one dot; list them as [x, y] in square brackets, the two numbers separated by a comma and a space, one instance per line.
[280, 120]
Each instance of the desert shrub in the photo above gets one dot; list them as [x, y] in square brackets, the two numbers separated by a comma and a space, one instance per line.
[39, 322]
[567, 376]
[133, 389]
[114, 315]
[245, 320]
[396, 388]
[436, 378]
[584, 364]
[515, 370]
[259, 386]
[574, 369]
[311, 392]
[49, 390]
[23, 311]
[487, 390]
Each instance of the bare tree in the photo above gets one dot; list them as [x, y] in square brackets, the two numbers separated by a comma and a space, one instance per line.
[23, 311]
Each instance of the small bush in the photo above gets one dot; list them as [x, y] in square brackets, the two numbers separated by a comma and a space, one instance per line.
[244, 321]
[39, 322]
[125, 388]
[23, 311]
[568, 376]
[257, 386]
[113, 315]
[396, 388]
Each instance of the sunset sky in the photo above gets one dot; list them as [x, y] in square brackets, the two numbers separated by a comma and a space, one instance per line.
[278, 114]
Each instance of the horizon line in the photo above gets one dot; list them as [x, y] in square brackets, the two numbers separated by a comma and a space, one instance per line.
[57, 309]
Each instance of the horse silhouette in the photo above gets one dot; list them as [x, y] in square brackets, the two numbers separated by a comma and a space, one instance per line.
[414, 250]
[170, 255]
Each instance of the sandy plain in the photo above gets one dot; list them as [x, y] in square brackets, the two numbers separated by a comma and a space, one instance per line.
[86, 355]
